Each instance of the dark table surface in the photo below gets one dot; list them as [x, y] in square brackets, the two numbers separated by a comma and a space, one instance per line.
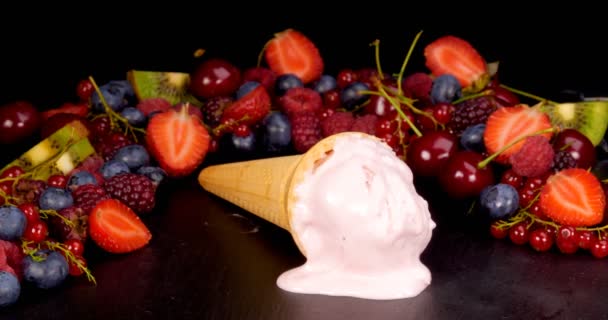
[211, 260]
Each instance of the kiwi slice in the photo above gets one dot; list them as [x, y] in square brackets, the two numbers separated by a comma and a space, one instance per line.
[172, 86]
[588, 117]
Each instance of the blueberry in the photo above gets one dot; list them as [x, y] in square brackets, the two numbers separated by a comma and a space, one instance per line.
[81, 178]
[245, 88]
[276, 132]
[499, 201]
[10, 289]
[113, 167]
[134, 116]
[325, 83]
[48, 270]
[472, 138]
[352, 97]
[445, 88]
[118, 94]
[156, 174]
[12, 223]
[244, 144]
[285, 82]
[55, 199]
[134, 155]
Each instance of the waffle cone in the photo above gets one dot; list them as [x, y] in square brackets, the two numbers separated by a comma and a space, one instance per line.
[266, 187]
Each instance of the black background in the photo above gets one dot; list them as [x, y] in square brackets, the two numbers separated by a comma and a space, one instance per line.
[541, 51]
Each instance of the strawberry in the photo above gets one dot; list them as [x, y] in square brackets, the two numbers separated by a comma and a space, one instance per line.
[290, 51]
[507, 124]
[455, 56]
[249, 109]
[115, 228]
[178, 141]
[573, 197]
[79, 109]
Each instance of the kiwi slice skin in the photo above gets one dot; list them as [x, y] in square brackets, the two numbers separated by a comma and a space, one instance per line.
[171, 86]
[588, 117]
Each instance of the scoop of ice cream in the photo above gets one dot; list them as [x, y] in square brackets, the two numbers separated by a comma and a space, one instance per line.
[361, 225]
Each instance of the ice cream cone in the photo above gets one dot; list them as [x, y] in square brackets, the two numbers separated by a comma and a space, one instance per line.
[265, 187]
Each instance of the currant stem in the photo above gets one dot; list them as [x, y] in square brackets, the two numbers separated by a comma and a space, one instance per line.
[487, 160]
[406, 60]
[473, 96]
[376, 44]
[399, 111]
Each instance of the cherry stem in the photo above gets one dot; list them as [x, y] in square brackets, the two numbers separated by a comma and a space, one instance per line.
[406, 60]
[376, 44]
[526, 94]
[482, 164]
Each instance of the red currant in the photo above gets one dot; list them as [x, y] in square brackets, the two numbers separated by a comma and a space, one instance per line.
[566, 240]
[242, 130]
[599, 248]
[331, 99]
[512, 178]
[519, 233]
[585, 239]
[30, 211]
[75, 246]
[540, 240]
[84, 89]
[442, 112]
[36, 231]
[57, 181]
[385, 126]
[498, 233]
[346, 77]
[73, 268]
[12, 172]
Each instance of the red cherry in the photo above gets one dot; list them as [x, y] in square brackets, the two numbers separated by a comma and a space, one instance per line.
[429, 153]
[505, 97]
[84, 89]
[567, 240]
[75, 246]
[519, 233]
[379, 106]
[18, 120]
[578, 145]
[498, 233]
[599, 248]
[540, 240]
[462, 178]
[215, 77]
[36, 232]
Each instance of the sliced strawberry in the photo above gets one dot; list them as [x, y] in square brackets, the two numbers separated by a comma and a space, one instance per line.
[290, 51]
[115, 228]
[573, 197]
[178, 141]
[455, 56]
[249, 109]
[79, 109]
[505, 125]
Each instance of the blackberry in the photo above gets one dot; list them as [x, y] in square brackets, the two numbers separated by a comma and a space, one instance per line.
[213, 109]
[87, 196]
[563, 160]
[134, 190]
[471, 112]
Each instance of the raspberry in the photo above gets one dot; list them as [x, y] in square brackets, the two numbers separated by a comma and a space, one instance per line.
[563, 160]
[11, 256]
[213, 110]
[418, 86]
[87, 196]
[134, 190]
[534, 158]
[471, 112]
[151, 105]
[366, 124]
[305, 131]
[301, 99]
[337, 122]
[261, 75]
